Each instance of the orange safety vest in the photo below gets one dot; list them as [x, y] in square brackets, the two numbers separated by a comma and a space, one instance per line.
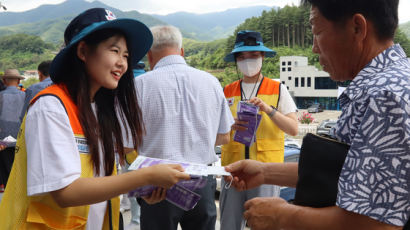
[19, 211]
[270, 140]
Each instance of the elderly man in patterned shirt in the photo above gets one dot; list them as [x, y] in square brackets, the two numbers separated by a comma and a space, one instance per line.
[354, 40]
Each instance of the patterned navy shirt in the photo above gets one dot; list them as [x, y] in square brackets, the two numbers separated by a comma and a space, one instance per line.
[375, 122]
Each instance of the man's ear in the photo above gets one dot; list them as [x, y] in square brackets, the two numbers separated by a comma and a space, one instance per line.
[82, 51]
[182, 52]
[149, 56]
[360, 26]
[150, 60]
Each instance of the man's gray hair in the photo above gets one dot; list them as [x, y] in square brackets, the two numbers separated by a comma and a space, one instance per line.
[166, 37]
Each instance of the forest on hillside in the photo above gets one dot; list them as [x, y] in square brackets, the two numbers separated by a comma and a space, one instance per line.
[285, 30]
[24, 52]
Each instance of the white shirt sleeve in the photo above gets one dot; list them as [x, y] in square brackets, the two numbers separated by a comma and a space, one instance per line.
[53, 161]
[286, 103]
[226, 120]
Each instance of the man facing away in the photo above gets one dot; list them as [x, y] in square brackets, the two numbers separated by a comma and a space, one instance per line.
[45, 81]
[185, 115]
[11, 103]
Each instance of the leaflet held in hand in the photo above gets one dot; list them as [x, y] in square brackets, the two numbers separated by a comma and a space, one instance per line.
[249, 113]
[181, 194]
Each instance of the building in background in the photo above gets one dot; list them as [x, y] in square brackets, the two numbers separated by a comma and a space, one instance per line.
[308, 85]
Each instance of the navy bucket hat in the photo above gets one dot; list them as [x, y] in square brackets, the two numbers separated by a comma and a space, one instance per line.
[247, 40]
[138, 35]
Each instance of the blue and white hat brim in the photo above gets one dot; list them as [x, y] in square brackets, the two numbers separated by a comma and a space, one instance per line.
[231, 57]
[139, 40]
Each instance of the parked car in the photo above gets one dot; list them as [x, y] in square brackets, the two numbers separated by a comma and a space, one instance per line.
[325, 127]
[291, 143]
[315, 108]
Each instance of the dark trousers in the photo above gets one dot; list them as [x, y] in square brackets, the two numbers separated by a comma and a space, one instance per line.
[6, 162]
[166, 216]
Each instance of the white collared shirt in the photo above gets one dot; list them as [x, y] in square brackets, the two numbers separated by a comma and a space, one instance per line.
[183, 110]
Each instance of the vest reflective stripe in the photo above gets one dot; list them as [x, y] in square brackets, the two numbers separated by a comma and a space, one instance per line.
[270, 140]
[19, 211]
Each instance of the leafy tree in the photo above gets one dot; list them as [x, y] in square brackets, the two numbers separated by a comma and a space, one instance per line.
[401, 38]
[22, 51]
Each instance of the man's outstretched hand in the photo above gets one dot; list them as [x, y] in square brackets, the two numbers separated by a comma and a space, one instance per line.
[247, 174]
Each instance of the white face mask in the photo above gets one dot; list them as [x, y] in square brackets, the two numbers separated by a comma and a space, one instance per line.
[250, 67]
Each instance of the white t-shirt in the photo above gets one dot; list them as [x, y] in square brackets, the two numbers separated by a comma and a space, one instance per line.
[52, 157]
[286, 104]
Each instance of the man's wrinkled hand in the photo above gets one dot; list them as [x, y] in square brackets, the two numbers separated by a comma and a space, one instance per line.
[263, 213]
[247, 174]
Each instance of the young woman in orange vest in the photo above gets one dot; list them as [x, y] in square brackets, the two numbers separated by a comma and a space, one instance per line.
[64, 174]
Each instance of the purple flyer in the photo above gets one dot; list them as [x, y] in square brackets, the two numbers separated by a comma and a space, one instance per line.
[193, 184]
[182, 197]
[247, 112]
[181, 194]
[245, 107]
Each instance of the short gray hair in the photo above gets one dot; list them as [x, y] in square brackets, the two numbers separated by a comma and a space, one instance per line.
[166, 36]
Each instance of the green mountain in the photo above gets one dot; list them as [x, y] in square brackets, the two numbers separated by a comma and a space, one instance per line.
[49, 30]
[69, 8]
[211, 26]
[405, 28]
[49, 21]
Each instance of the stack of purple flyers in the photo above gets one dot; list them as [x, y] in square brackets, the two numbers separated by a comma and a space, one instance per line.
[181, 194]
[249, 113]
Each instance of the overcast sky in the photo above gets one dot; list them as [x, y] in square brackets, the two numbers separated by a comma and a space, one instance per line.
[170, 6]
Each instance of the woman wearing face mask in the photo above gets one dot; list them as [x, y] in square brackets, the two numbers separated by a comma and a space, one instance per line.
[278, 112]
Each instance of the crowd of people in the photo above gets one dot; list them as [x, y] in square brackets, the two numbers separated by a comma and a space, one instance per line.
[95, 108]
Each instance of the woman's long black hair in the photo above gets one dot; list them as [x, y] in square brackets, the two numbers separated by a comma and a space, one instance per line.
[112, 106]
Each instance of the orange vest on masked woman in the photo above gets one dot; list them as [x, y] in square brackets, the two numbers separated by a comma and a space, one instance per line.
[270, 140]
